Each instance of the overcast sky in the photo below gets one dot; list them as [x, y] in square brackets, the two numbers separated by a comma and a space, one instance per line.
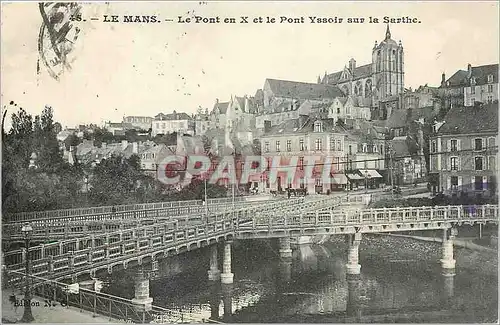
[143, 69]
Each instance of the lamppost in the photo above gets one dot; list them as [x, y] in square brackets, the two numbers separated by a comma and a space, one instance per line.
[27, 231]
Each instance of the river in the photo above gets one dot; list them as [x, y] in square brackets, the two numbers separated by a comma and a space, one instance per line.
[401, 281]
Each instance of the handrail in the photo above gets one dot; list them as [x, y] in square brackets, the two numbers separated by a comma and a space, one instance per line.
[27, 216]
[98, 302]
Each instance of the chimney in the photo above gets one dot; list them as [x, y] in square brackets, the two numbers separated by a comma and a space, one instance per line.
[469, 70]
[124, 144]
[443, 80]
[352, 64]
[246, 104]
[135, 147]
[267, 126]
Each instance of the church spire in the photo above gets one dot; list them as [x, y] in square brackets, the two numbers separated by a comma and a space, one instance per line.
[388, 33]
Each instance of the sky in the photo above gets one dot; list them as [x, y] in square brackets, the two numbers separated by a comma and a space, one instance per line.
[122, 69]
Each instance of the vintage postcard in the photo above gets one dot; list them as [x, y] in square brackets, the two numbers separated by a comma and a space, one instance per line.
[249, 162]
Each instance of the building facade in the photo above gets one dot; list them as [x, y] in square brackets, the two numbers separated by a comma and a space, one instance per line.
[482, 84]
[174, 122]
[142, 123]
[463, 151]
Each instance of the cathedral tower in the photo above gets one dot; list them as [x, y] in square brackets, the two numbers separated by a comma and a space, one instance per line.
[387, 68]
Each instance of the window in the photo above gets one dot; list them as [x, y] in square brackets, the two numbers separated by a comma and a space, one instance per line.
[301, 163]
[478, 144]
[381, 149]
[478, 163]
[490, 88]
[277, 146]
[301, 144]
[491, 143]
[473, 81]
[338, 110]
[319, 144]
[490, 99]
[490, 78]
[478, 183]
[454, 183]
[268, 165]
[473, 89]
[318, 127]
[364, 147]
[288, 145]
[454, 163]
[374, 148]
[332, 144]
[339, 145]
[318, 182]
[163, 125]
[266, 146]
[337, 164]
[472, 100]
[453, 145]
[350, 149]
[491, 163]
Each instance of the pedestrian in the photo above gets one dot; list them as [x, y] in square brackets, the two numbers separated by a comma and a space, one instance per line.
[289, 193]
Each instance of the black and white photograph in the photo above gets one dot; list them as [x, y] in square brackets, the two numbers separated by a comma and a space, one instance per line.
[175, 162]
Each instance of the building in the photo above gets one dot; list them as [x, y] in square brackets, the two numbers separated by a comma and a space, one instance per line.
[482, 84]
[466, 86]
[305, 136]
[153, 156]
[378, 84]
[174, 122]
[218, 115]
[408, 167]
[424, 96]
[117, 128]
[140, 123]
[463, 151]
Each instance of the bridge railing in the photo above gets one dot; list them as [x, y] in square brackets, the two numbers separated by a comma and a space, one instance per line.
[61, 226]
[29, 216]
[99, 303]
[44, 251]
[80, 225]
[332, 217]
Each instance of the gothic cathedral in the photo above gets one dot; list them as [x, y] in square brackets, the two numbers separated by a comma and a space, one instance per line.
[377, 85]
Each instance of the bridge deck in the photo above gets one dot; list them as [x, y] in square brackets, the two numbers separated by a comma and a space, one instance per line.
[320, 217]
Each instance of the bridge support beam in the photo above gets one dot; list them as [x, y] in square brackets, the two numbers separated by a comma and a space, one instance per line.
[448, 262]
[142, 298]
[213, 273]
[227, 277]
[285, 248]
[353, 267]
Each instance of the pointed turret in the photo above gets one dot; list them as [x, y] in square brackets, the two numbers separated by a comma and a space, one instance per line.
[388, 33]
[319, 79]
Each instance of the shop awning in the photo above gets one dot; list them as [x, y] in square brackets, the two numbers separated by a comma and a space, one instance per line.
[339, 179]
[370, 173]
[354, 176]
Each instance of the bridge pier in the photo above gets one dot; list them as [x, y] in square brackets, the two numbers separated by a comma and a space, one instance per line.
[227, 298]
[304, 240]
[214, 272]
[353, 296]
[448, 262]
[227, 277]
[142, 298]
[353, 267]
[285, 248]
